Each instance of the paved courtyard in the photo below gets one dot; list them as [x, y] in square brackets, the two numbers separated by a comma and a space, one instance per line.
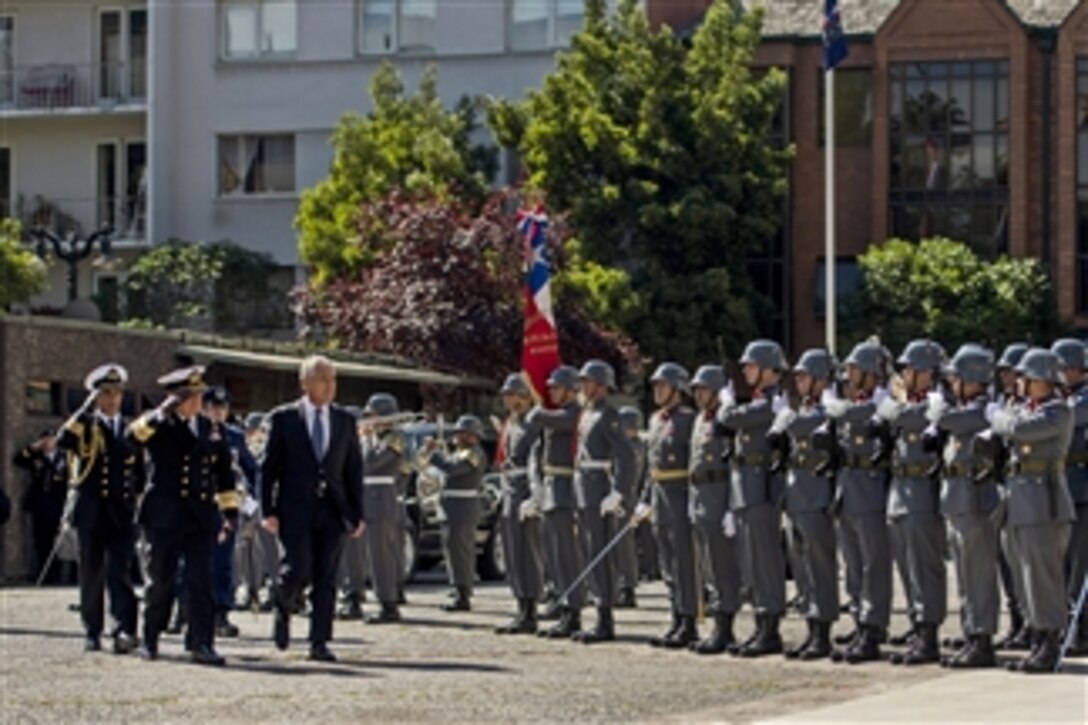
[450, 667]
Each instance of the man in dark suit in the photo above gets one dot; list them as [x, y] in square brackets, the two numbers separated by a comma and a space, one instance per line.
[311, 495]
[44, 497]
[108, 475]
[192, 482]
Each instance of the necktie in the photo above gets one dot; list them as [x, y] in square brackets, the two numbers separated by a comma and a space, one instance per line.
[317, 435]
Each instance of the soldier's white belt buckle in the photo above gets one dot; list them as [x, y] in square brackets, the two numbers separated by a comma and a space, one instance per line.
[379, 480]
[595, 465]
[460, 493]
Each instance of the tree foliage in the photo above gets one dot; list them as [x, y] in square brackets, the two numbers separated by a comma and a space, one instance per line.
[407, 142]
[939, 288]
[447, 292]
[22, 274]
[661, 157]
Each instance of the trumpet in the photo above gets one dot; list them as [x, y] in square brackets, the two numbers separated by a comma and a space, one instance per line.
[392, 420]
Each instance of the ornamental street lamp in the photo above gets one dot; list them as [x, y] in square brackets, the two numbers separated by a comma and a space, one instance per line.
[72, 251]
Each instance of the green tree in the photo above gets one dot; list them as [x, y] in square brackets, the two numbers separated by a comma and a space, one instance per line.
[407, 141]
[22, 274]
[659, 156]
[941, 289]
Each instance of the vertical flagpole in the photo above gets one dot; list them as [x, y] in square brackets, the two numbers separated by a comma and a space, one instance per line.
[829, 201]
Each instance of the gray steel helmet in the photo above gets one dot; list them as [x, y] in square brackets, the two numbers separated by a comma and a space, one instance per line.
[600, 372]
[1039, 363]
[564, 376]
[469, 424]
[1072, 353]
[514, 385]
[672, 373]
[711, 377]
[922, 355]
[1012, 356]
[766, 354]
[630, 418]
[381, 405]
[869, 357]
[972, 364]
[817, 362]
[254, 421]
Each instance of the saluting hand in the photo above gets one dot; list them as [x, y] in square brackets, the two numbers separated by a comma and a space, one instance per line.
[358, 530]
[271, 524]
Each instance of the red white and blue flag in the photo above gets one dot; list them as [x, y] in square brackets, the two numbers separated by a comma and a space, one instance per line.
[540, 339]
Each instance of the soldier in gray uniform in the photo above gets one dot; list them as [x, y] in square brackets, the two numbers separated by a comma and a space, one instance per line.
[861, 495]
[914, 499]
[1074, 358]
[460, 504]
[627, 550]
[520, 537]
[810, 492]
[555, 500]
[968, 499]
[709, 476]
[1039, 510]
[383, 469]
[668, 457]
[604, 471]
[351, 571]
[752, 496]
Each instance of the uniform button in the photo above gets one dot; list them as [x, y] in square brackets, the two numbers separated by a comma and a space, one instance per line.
[859, 440]
[185, 494]
[203, 497]
[803, 445]
[912, 437]
[1025, 449]
[105, 493]
[709, 458]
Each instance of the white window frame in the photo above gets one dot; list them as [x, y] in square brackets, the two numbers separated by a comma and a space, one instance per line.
[553, 25]
[260, 54]
[396, 48]
[242, 194]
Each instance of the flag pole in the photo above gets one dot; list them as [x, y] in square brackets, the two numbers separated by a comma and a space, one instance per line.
[829, 201]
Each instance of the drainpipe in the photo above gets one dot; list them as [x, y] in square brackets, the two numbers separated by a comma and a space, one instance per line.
[1047, 41]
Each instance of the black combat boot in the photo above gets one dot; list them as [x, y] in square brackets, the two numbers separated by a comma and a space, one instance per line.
[460, 601]
[1018, 636]
[794, 652]
[685, 636]
[180, 620]
[351, 607]
[925, 648]
[224, 627]
[1045, 657]
[388, 614]
[976, 654]
[769, 641]
[736, 647]
[660, 640]
[847, 639]
[124, 643]
[819, 647]
[514, 625]
[625, 599]
[570, 623]
[603, 631]
[720, 638]
[904, 639]
[866, 648]
[530, 621]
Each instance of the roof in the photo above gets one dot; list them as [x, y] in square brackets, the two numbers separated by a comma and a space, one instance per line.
[804, 18]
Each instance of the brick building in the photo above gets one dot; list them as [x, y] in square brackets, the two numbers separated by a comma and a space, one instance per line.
[963, 118]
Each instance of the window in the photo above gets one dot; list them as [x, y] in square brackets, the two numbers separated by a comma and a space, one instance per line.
[949, 142]
[1082, 185]
[7, 59]
[389, 26]
[256, 164]
[256, 28]
[5, 183]
[853, 107]
[376, 26]
[541, 24]
[847, 282]
[418, 26]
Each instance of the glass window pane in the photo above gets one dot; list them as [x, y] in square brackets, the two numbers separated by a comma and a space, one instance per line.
[936, 101]
[982, 110]
[936, 164]
[7, 59]
[418, 25]
[984, 160]
[1001, 160]
[278, 34]
[1002, 119]
[1082, 158]
[376, 26]
[528, 24]
[915, 108]
[960, 175]
[275, 167]
[914, 162]
[230, 176]
[959, 105]
[240, 29]
[896, 105]
[569, 15]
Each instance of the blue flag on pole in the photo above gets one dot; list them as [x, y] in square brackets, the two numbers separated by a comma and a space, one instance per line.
[835, 49]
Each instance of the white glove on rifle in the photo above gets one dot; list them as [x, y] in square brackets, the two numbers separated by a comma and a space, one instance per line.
[728, 396]
[938, 405]
[643, 512]
[781, 402]
[612, 505]
[729, 525]
[529, 509]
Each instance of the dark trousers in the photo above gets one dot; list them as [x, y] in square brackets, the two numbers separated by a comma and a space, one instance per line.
[105, 558]
[166, 546]
[562, 542]
[311, 556]
[676, 526]
[224, 573]
[44, 528]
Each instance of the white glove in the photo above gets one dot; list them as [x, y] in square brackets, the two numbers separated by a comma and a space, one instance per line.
[727, 396]
[249, 506]
[836, 407]
[937, 407]
[887, 409]
[880, 395]
[643, 512]
[991, 409]
[782, 421]
[828, 397]
[1002, 420]
[612, 505]
[781, 402]
[529, 509]
[729, 525]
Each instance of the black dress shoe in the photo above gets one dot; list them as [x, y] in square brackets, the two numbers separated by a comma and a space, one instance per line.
[321, 653]
[124, 644]
[205, 655]
[625, 599]
[92, 643]
[387, 615]
[281, 630]
[149, 652]
[224, 627]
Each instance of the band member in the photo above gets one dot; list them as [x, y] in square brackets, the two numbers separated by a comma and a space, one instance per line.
[311, 496]
[108, 474]
[44, 498]
[192, 482]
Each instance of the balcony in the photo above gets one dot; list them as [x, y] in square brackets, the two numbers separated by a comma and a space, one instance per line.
[127, 215]
[64, 88]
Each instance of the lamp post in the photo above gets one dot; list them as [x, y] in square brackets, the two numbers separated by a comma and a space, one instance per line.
[72, 251]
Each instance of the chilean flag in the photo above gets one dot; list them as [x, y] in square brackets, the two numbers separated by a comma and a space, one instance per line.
[540, 341]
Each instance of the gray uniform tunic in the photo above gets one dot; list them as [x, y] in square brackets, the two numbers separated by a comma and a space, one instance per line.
[968, 505]
[709, 476]
[383, 463]
[913, 510]
[753, 499]
[809, 496]
[1038, 508]
[861, 498]
[460, 501]
[1076, 473]
[520, 538]
[668, 456]
[558, 428]
[604, 462]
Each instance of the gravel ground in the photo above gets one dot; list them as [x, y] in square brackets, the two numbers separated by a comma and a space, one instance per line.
[433, 666]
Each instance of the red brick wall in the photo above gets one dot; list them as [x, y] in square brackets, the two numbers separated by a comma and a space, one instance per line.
[1072, 43]
[676, 14]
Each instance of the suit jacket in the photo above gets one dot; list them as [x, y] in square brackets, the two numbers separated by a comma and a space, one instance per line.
[913, 491]
[750, 477]
[861, 488]
[294, 483]
[961, 494]
[191, 477]
[108, 470]
[807, 490]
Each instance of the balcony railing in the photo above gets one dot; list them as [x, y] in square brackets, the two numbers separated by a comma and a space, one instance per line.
[63, 86]
[127, 215]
